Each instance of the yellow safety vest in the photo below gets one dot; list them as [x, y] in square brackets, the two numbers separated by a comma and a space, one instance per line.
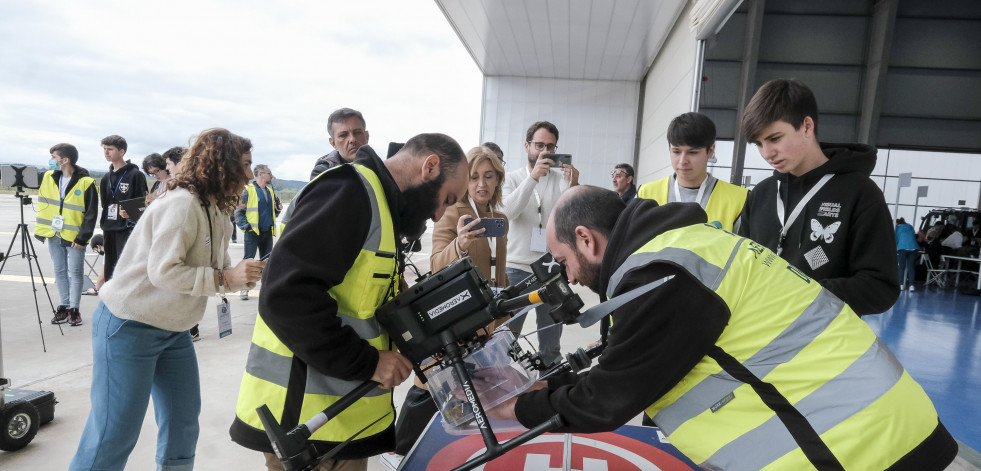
[252, 208]
[371, 281]
[50, 205]
[724, 205]
[784, 331]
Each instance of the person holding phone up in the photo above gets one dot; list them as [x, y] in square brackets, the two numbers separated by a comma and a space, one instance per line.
[529, 193]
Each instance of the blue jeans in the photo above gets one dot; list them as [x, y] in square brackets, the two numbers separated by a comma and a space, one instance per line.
[133, 361]
[262, 241]
[548, 339]
[68, 264]
[907, 264]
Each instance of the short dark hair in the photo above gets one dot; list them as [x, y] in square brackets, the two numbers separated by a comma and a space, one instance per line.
[496, 149]
[591, 206]
[343, 114]
[541, 124]
[174, 154]
[449, 151]
[154, 160]
[67, 151]
[786, 100]
[627, 168]
[691, 129]
[116, 141]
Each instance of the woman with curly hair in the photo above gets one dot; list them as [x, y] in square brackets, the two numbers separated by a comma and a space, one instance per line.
[176, 258]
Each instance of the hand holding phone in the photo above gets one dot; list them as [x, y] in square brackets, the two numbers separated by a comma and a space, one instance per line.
[561, 160]
[493, 227]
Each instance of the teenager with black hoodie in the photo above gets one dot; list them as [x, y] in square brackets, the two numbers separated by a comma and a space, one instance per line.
[820, 211]
[124, 181]
[741, 360]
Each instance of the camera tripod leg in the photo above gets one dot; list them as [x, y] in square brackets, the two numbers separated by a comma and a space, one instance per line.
[28, 252]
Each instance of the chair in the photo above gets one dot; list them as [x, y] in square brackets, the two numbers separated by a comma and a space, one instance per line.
[936, 276]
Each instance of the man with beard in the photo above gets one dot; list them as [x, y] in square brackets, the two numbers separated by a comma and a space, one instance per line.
[741, 360]
[338, 260]
[348, 132]
[529, 194]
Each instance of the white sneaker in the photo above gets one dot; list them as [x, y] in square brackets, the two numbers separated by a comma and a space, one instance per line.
[912, 288]
[391, 460]
[245, 295]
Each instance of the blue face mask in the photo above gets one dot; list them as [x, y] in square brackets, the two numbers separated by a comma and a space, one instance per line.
[53, 165]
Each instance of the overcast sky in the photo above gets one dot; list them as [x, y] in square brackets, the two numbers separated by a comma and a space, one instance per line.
[157, 73]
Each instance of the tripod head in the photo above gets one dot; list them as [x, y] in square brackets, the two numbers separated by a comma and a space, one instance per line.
[20, 178]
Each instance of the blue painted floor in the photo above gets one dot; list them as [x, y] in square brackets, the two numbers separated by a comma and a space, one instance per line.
[934, 333]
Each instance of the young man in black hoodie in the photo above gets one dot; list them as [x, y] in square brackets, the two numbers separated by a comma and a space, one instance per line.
[122, 182]
[820, 211]
[742, 361]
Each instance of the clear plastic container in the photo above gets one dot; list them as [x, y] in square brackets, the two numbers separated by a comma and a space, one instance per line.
[496, 378]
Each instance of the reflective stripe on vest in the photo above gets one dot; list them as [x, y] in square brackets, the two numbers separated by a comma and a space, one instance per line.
[252, 208]
[367, 285]
[790, 333]
[725, 202]
[50, 205]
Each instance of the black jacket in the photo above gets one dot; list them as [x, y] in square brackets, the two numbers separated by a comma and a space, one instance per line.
[844, 237]
[112, 190]
[674, 326]
[313, 256]
[91, 207]
[327, 162]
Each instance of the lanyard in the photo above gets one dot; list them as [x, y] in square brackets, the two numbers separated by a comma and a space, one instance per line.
[63, 186]
[491, 241]
[701, 191]
[118, 182]
[211, 234]
[797, 209]
[538, 199]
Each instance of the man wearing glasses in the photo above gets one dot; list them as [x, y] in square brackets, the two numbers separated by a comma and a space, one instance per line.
[529, 195]
[623, 182]
[261, 207]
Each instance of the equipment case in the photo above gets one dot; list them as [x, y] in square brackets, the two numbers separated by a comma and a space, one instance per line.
[44, 401]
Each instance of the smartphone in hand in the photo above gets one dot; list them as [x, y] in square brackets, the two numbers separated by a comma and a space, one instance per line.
[560, 160]
[495, 227]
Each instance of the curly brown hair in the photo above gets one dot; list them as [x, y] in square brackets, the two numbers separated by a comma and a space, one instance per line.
[212, 168]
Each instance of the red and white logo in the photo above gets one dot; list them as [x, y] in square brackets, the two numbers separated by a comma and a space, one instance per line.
[593, 452]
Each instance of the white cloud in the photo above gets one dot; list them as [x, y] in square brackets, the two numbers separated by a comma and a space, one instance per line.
[158, 73]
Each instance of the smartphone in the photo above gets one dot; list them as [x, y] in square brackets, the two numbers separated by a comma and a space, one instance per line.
[560, 159]
[495, 227]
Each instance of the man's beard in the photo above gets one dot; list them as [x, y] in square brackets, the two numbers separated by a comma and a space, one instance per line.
[589, 273]
[421, 203]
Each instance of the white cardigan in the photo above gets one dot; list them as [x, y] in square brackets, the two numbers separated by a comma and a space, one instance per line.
[165, 273]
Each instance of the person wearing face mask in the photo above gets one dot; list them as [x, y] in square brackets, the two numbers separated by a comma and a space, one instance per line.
[691, 142]
[339, 259]
[68, 208]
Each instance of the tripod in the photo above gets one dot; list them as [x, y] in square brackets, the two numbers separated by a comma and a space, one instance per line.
[27, 251]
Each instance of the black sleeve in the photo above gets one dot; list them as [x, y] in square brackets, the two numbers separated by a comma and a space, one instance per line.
[91, 216]
[329, 225]
[103, 198]
[654, 342]
[321, 166]
[872, 285]
[745, 217]
[140, 188]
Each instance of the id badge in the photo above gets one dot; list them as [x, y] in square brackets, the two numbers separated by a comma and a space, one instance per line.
[57, 223]
[113, 212]
[224, 318]
[538, 239]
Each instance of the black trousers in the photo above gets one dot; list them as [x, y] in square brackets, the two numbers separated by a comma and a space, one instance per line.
[113, 244]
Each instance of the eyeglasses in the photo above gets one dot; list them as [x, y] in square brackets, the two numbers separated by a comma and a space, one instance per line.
[539, 146]
[618, 172]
